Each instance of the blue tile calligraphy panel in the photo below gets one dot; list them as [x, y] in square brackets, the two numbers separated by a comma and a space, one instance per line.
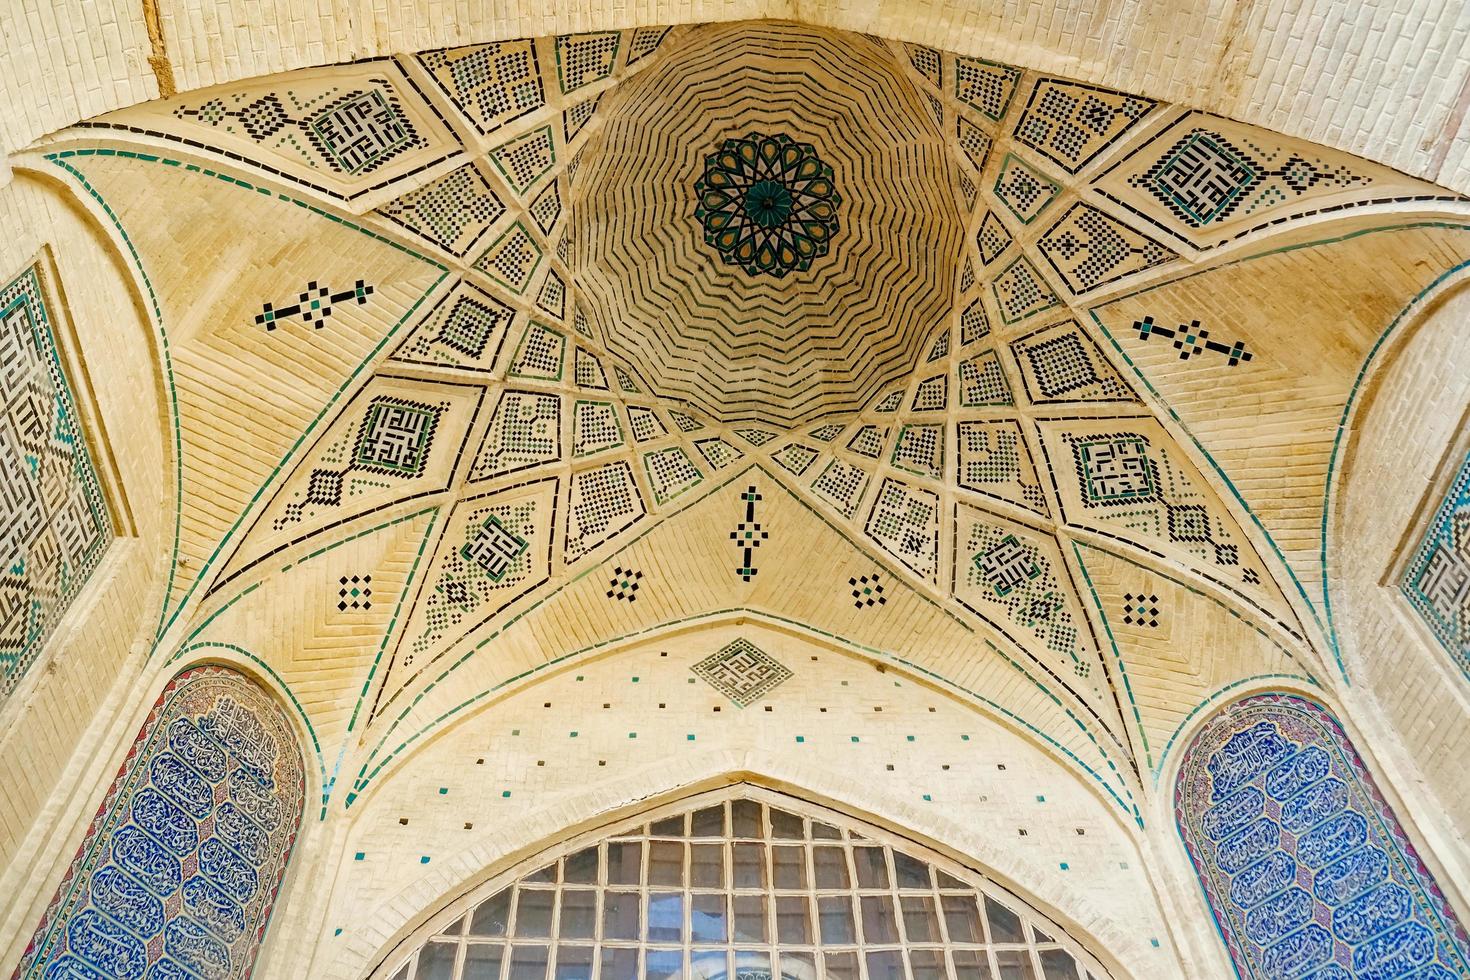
[1303, 863]
[179, 872]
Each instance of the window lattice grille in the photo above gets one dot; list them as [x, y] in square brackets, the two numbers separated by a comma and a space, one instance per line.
[744, 889]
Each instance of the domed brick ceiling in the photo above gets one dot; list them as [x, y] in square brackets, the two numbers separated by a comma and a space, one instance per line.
[535, 346]
[767, 224]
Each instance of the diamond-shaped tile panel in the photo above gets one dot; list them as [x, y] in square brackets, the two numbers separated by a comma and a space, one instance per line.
[795, 458]
[991, 238]
[841, 484]
[540, 355]
[974, 141]
[603, 503]
[465, 330]
[742, 672]
[595, 427]
[1061, 363]
[574, 119]
[525, 431]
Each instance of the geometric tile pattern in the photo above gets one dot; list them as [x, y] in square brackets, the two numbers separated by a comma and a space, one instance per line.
[670, 473]
[1023, 190]
[582, 59]
[983, 382]
[1071, 123]
[492, 84]
[742, 672]
[494, 549]
[604, 501]
[985, 86]
[54, 522]
[525, 431]
[931, 394]
[1060, 363]
[920, 450]
[1126, 478]
[465, 330]
[1302, 861]
[905, 522]
[540, 355]
[1437, 581]
[180, 867]
[645, 423]
[1205, 180]
[1013, 577]
[795, 458]
[1089, 248]
[345, 124]
[841, 484]
[992, 238]
[868, 441]
[595, 427]
[452, 211]
[512, 259]
[1021, 291]
[394, 437]
[645, 41]
[994, 460]
[525, 159]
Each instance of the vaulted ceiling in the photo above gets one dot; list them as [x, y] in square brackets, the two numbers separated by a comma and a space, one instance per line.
[486, 357]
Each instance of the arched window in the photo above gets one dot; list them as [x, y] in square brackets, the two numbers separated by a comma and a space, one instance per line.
[177, 876]
[1303, 863]
[744, 884]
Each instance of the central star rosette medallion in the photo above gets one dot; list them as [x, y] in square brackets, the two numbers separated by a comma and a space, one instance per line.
[768, 204]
